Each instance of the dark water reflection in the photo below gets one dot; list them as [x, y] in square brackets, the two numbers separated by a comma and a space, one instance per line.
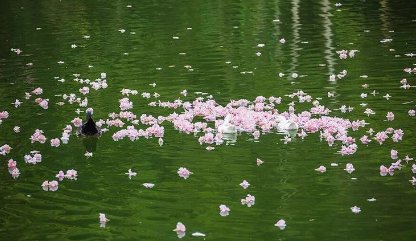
[90, 143]
[218, 39]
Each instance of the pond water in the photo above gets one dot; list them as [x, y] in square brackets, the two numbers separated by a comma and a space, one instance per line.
[213, 47]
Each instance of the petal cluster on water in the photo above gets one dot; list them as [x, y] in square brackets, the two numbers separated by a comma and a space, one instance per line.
[249, 200]
[50, 186]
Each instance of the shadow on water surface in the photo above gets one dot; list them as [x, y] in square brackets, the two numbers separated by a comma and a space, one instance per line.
[90, 143]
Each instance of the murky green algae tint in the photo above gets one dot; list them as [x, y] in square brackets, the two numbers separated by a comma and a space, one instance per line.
[315, 206]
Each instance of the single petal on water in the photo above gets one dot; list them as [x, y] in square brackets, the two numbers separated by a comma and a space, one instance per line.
[198, 234]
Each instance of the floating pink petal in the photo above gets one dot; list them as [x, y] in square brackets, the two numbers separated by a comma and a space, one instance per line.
[407, 158]
[184, 173]
[103, 220]
[393, 154]
[16, 129]
[60, 175]
[198, 234]
[130, 173]
[77, 122]
[71, 174]
[44, 103]
[384, 171]
[184, 92]
[355, 209]
[17, 103]
[37, 91]
[11, 164]
[126, 104]
[84, 90]
[349, 168]
[14, 172]
[50, 186]
[390, 116]
[259, 162]
[224, 210]
[281, 224]
[33, 158]
[321, 169]
[4, 115]
[364, 139]
[414, 168]
[55, 142]
[5, 149]
[38, 136]
[245, 184]
[148, 185]
[180, 230]
[413, 181]
[53, 186]
[249, 200]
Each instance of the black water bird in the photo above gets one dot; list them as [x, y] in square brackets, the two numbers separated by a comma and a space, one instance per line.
[89, 128]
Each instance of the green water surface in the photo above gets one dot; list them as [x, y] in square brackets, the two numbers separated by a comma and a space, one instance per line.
[218, 39]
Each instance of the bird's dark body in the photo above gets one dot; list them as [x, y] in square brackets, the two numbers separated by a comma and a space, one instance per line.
[89, 128]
